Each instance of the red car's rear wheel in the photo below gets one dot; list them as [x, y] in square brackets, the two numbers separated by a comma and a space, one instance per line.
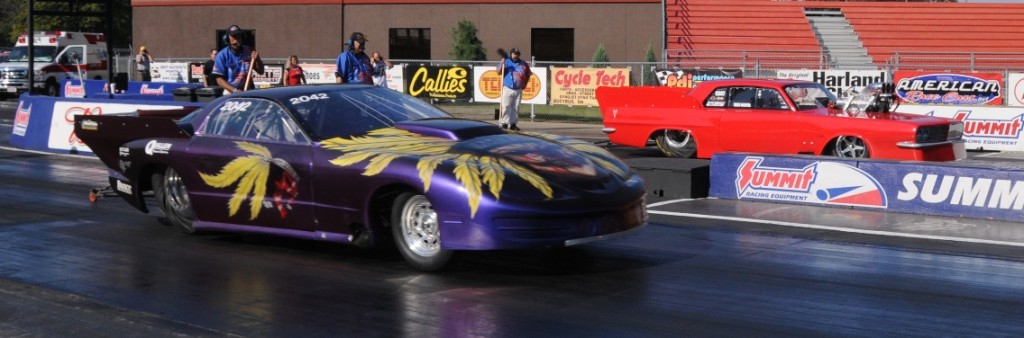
[675, 143]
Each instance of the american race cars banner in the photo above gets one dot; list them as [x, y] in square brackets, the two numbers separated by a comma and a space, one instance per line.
[972, 89]
[489, 83]
[438, 82]
[842, 83]
[690, 78]
[576, 86]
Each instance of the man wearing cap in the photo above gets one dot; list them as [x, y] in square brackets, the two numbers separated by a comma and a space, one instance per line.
[513, 72]
[232, 64]
[142, 62]
[353, 66]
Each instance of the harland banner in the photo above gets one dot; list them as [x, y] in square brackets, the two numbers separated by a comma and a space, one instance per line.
[437, 82]
[575, 86]
[488, 85]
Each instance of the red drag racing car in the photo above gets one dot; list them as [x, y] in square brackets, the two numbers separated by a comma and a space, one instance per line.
[773, 116]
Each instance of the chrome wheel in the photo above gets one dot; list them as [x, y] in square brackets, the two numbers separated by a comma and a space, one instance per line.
[417, 232]
[675, 143]
[172, 196]
[850, 147]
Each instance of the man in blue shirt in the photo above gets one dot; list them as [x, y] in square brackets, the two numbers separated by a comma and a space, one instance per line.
[231, 65]
[513, 72]
[353, 66]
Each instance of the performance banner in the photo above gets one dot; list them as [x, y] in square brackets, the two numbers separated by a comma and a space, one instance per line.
[575, 86]
[169, 71]
[272, 76]
[985, 128]
[318, 73]
[437, 82]
[972, 89]
[1015, 90]
[689, 78]
[489, 83]
[990, 190]
[842, 83]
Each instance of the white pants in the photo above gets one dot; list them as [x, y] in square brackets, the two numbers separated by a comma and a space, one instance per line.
[510, 105]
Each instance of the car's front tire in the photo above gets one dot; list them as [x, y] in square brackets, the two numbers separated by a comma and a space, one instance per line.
[417, 232]
[850, 147]
[675, 143]
[172, 197]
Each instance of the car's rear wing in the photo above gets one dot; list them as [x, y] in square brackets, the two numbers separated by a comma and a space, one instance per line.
[104, 134]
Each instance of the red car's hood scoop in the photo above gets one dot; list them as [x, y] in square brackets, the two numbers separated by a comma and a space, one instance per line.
[450, 128]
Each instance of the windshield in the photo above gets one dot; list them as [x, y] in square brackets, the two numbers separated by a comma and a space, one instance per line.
[356, 111]
[810, 96]
[42, 54]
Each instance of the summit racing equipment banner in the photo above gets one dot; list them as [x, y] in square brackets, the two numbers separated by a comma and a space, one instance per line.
[488, 85]
[842, 83]
[990, 190]
[949, 88]
[689, 78]
[437, 82]
[576, 86]
[985, 128]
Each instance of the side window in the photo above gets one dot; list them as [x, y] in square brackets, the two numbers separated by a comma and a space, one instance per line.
[742, 97]
[767, 98]
[717, 98]
[271, 123]
[253, 119]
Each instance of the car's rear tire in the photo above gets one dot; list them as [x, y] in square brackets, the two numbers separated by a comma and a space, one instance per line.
[675, 143]
[417, 232]
[849, 147]
[172, 197]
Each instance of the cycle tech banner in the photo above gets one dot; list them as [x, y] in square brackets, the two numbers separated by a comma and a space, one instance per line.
[985, 128]
[575, 86]
[1015, 89]
[988, 190]
[689, 78]
[439, 82]
[949, 88]
[842, 83]
[489, 83]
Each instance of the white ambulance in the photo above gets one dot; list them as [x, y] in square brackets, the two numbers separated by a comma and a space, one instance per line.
[58, 56]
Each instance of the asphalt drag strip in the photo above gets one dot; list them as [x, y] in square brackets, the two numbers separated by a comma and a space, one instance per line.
[991, 237]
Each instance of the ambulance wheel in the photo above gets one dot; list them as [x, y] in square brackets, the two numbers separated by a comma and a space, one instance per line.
[51, 88]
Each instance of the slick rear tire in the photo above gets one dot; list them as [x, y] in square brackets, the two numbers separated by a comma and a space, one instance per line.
[417, 232]
[675, 143]
[172, 197]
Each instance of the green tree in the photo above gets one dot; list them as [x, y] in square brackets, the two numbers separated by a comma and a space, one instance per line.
[14, 19]
[649, 60]
[465, 44]
[600, 56]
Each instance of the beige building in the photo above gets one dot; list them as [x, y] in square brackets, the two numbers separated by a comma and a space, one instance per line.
[548, 30]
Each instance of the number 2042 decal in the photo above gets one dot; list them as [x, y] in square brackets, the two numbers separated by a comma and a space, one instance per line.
[307, 98]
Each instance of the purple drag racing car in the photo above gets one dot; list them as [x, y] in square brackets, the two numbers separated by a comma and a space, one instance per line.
[359, 164]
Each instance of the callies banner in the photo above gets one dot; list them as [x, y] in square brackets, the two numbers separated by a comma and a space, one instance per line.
[436, 82]
[576, 86]
[949, 88]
